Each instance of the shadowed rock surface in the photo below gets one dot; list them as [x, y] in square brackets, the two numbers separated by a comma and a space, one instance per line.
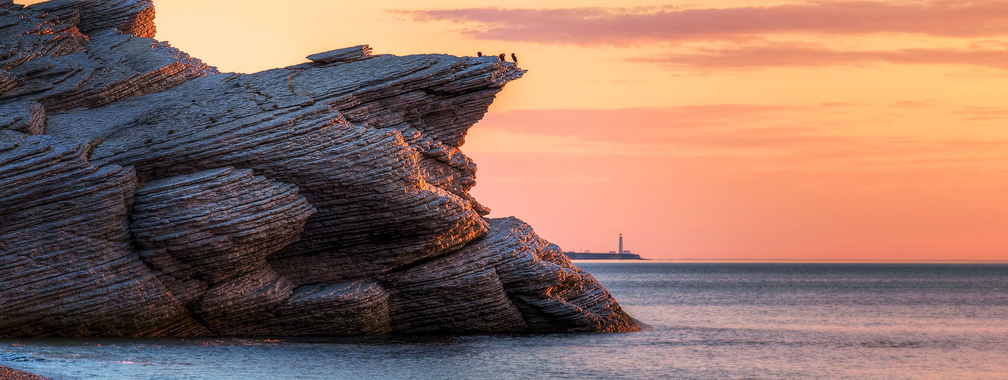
[143, 193]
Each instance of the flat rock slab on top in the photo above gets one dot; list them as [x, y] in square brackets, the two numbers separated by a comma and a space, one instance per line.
[349, 54]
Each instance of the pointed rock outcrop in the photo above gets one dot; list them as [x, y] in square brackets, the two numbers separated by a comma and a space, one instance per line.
[143, 193]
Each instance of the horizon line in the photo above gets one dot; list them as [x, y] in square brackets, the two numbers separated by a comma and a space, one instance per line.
[811, 261]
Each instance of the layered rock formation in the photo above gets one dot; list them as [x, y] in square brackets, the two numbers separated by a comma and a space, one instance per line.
[142, 193]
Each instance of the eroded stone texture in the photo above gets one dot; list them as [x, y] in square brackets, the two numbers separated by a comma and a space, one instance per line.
[452, 294]
[127, 16]
[45, 57]
[326, 198]
[372, 194]
[509, 280]
[349, 54]
[207, 235]
[346, 308]
[66, 263]
[220, 223]
[25, 117]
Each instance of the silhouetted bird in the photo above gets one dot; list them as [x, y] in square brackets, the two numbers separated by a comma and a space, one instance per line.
[514, 58]
[479, 54]
[501, 57]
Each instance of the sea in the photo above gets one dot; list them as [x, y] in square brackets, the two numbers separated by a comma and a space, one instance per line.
[705, 321]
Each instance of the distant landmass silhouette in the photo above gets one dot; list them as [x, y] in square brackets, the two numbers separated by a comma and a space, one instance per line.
[612, 255]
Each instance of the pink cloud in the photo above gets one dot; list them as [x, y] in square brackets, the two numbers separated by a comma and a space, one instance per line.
[771, 135]
[754, 182]
[802, 55]
[635, 124]
[617, 26]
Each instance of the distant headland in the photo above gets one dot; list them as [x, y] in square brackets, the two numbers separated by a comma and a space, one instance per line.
[611, 255]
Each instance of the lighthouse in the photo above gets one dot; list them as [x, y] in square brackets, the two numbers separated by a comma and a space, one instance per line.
[621, 244]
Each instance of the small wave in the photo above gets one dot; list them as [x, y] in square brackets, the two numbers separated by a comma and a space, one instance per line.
[888, 344]
[16, 357]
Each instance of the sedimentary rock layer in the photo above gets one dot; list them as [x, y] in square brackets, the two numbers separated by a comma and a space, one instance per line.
[67, 266]
[144, 193]
[25, 117]
[46, 57]
[509, 280]
[368, 181]
[220, 223]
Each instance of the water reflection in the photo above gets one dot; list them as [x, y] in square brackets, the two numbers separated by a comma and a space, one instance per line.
[708, 320]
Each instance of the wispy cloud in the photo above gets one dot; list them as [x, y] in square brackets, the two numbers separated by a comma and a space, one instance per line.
[914, 104]
[619, 26]
[802, 55]
[769, 174]
[775, 136]
[638, 125]
[975, 113]
[836, 104]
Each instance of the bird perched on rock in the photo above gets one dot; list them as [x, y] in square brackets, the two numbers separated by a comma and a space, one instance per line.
[514, 58]
[479, 54]
[501, 56]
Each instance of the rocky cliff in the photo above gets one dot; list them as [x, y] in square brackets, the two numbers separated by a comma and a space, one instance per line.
[143, 193]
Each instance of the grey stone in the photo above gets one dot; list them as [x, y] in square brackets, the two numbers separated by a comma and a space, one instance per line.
[25, 117]
[66, 263]
[349, 54]
[142, 193]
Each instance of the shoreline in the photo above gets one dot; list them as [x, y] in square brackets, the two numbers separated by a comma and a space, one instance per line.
[7, 373]
[796, 261]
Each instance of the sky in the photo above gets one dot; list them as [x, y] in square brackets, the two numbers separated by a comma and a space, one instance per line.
[701, 129]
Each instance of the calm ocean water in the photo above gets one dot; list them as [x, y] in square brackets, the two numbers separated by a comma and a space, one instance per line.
[743, 321]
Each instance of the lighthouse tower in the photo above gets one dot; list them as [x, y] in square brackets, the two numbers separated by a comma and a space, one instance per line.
[621, 244]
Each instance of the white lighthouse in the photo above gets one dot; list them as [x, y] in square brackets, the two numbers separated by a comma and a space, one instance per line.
[621, 244]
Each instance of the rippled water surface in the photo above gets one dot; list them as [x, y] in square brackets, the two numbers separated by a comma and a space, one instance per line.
[840, 321]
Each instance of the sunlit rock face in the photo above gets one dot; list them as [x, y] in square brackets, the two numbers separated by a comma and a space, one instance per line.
[143, 193]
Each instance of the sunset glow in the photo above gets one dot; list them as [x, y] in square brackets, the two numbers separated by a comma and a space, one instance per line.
[711, 129]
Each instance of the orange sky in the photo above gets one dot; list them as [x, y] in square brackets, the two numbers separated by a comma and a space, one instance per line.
[865, 130]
